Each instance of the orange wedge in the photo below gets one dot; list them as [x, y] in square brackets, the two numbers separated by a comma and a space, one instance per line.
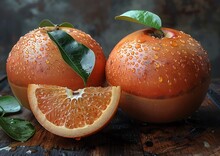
[73, 114]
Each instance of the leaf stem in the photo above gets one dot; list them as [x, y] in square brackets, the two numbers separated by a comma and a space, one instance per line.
[3, 111]
[159, 33]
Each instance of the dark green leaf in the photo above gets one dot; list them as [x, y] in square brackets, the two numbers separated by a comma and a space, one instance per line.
[78, 56]
[9, 104]
[46, 23]
[142, 17]
[18, 129]
[66, 24]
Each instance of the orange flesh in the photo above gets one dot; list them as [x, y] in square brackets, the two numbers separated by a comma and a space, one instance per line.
[73, 110]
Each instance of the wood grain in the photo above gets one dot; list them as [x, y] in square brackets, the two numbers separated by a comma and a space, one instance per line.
[198, 135]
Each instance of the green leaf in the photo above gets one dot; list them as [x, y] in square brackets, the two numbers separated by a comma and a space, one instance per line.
[142, 17]
[46, 23]
[66, 24]
[18, 129]
[9, 104]
[78, 56]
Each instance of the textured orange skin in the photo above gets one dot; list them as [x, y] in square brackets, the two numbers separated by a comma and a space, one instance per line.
[163, 80]
[35, 58]
[157, 68]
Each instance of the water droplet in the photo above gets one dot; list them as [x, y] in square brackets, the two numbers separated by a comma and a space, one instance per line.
[173, 43]
[200, 57]
[132, 53]
[47, 62]
[160, 79]
[155, 56]
[183, 65]
[137, 46]
[130, 57]
[132, 63]
[165, 45]
[156, 48]
[145, 58]
[129, 46]
[141, 40]
[83, 35]
[169, 82]
[133, 70]
[157, 65]
[41, 48]
[174, 67]
[182, 41]
[29, 77]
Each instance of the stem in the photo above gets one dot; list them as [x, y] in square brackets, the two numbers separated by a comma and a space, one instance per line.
[3, 111]
[158, 33]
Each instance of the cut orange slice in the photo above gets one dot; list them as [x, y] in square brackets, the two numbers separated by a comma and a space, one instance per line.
[73, 114]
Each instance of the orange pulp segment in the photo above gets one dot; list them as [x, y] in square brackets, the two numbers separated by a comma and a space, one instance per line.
[73, 114]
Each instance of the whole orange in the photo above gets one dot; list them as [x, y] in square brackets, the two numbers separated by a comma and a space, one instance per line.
[163, 78]
[35, 58]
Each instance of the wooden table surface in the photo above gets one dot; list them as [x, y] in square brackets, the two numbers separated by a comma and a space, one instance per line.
[198, 135]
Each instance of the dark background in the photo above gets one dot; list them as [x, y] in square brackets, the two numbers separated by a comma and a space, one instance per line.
[199, 18]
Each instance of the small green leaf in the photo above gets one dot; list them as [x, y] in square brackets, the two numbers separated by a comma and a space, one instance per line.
[18, 129]
[78, 56]
[66, 24]
[142, 17]
[46, 23]
[9, 104]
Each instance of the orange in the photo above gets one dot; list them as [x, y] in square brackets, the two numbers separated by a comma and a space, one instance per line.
[35, 58]
[73, 114]
[163, 79]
